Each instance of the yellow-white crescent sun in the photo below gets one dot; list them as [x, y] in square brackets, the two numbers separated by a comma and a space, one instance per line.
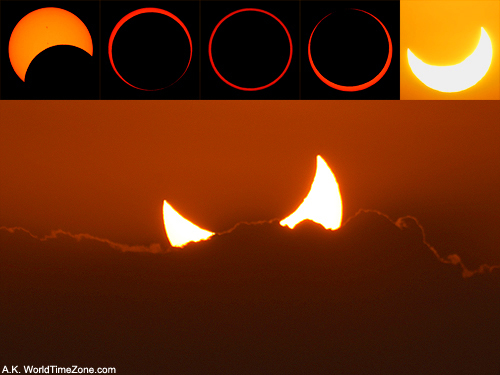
[323, 203]
[459, 77]
[181, 231]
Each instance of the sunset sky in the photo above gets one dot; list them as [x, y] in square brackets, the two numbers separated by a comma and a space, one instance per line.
[104, 168]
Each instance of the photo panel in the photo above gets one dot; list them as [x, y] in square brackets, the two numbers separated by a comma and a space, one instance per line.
[350, 50]
[250, 50]
[50, 50]
[449, 50]
[150, 50]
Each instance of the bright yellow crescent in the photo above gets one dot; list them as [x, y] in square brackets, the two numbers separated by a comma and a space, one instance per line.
[323, 203]
[44, 28]
[459, 77]
[179, 230]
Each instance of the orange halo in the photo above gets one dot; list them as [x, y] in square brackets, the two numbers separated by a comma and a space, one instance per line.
[363, 85]
[44, 28]
[133, 14]
[232, 84]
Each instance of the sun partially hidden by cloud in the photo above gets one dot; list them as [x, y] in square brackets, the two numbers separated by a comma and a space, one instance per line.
[323, 203]
[181, 231]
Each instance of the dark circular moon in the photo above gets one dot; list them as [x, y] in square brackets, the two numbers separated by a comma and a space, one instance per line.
[352, 50]
[152, 50]
[61, 72]
[251, 50]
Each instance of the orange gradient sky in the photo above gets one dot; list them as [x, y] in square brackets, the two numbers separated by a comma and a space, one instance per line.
[445, 33]
[104, 167]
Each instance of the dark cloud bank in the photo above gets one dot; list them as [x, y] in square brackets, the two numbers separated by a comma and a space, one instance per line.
[370, 298]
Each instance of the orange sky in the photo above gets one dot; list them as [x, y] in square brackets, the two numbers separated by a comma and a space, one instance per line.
[105, 167]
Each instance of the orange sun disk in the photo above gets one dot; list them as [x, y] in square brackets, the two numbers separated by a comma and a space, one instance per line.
[42, 29]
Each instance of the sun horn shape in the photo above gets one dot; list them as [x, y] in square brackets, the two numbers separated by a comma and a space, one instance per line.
[459, 77]
[180, 230]
[323, 203]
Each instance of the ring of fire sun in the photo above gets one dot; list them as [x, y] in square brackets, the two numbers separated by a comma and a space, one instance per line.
[362, 86]
[136, 13]
[249, 88]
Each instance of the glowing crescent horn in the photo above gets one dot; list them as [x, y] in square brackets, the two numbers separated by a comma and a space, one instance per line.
[322, 204]
[179, 230]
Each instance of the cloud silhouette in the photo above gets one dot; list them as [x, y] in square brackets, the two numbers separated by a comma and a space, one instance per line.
[370, 298]
[59, 235]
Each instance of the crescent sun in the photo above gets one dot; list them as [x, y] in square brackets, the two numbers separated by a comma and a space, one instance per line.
[44, 28]
[363, 85]
[180, 230]
[459, 77]
[249, 88]
[323, 203]
[142, 11]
